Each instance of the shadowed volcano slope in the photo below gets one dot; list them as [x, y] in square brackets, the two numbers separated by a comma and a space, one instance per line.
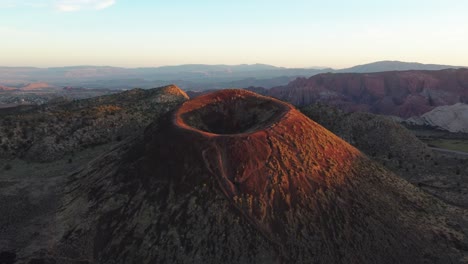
[234, 177]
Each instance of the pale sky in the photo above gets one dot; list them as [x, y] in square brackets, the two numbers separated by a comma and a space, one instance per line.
[294, 33]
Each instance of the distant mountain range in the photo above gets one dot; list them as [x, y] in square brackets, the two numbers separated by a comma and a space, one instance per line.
[384, 66]
[196, 76]
[188, 77]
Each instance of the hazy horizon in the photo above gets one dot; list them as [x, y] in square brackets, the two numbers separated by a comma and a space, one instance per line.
[296, 34]
[220, 64]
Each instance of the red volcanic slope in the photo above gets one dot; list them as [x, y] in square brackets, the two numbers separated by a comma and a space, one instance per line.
[268, 160]
[266, 151]
[403, 94]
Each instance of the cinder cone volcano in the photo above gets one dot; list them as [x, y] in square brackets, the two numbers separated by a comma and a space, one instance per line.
[267, 157]
[235, 177]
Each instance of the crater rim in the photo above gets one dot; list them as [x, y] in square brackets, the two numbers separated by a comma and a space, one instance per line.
[230, 113]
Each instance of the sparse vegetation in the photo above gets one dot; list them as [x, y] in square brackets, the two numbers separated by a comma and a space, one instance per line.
[52, 130]
[401, 150]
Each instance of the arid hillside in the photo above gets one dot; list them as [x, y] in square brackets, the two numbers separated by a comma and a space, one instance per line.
[47, 132]
[398, 149]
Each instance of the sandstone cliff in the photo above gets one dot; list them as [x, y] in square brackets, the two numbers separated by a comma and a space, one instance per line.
[404, 94]
[452, 118]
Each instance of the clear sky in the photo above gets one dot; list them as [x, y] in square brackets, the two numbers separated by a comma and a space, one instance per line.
[290, 33]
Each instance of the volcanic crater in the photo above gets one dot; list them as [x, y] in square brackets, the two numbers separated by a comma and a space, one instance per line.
[230, 113]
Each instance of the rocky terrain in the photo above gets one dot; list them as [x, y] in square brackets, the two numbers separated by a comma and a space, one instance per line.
[48, 132]
[452, 118]
[228, 177]
[254, 171]
[399, 93]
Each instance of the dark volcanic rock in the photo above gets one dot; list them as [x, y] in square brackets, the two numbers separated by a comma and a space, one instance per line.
[403, 94]
[234, 177]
